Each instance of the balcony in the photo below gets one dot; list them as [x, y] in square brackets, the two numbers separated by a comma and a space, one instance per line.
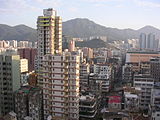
[66, 72]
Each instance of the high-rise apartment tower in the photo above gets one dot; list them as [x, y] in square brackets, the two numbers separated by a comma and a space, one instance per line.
[49, 31]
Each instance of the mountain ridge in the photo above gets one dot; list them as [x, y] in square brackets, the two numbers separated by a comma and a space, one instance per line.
[78, 27]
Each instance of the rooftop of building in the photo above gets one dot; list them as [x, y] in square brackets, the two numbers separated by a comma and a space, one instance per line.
[27, 89]
[130, 95]
[132, 89]
[143, 52]
[142, 76]
[86, 98]
[114, 99]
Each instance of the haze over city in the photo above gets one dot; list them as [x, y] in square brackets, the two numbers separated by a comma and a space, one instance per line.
[66, 60]
[111, 13]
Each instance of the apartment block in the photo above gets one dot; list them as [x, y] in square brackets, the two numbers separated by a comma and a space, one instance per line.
[103, 72]
[9, 81]
[146, 83]
[28, 102]
[61, 86]
[131, 98]
[88, 107]
[84, 75]
[49, 33]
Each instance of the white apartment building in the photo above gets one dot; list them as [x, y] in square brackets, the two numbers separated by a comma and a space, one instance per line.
[24, 65]
[104, 74]
[146, 84]
[131, 101]
[61, 86]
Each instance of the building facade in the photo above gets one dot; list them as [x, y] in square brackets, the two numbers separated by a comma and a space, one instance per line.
[146, 83]
[49, 31]
[28, 102]
[61, 86]
[29, 54]
[9, 81]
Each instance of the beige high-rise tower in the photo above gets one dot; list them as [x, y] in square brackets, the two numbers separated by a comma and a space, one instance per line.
[61, 86]
[49, 34]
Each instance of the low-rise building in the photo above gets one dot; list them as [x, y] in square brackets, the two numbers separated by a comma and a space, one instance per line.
[103, 73]
[131, 102]
[114, 103]
[88, 107]
[146, 83]
[28, 102]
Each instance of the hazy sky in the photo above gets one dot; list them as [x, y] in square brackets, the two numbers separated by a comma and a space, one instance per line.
[111, 13]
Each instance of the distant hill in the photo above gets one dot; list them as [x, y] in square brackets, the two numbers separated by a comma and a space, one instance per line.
[76, 28]
[85, 28]
[19, 32]
[150, 29]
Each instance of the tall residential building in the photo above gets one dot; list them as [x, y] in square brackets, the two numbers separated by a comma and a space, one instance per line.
[142, 41]
[151, 41]
[9, 81]
[61, 86]
[49, 32]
